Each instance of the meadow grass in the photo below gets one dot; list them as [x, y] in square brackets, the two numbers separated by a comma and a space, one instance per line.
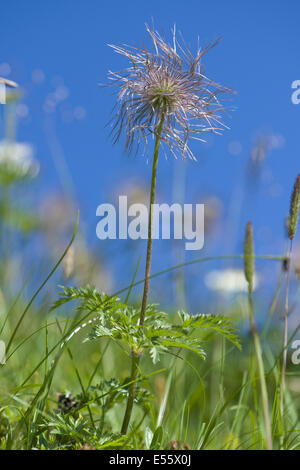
[182, 401]
[87, 369]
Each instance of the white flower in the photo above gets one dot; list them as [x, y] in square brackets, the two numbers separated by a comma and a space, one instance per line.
[18, 157]
[228, 280]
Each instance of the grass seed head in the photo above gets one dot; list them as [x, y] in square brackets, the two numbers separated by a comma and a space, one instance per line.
[294, 209]
[249, 265]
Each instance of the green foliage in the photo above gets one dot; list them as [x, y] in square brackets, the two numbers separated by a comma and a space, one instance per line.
[185, 403]
[120, 322]
[19, 219]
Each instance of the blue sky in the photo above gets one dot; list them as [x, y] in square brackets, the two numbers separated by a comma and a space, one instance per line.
[63, 44]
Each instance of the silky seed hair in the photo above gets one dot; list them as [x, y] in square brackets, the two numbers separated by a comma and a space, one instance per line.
[165, 86]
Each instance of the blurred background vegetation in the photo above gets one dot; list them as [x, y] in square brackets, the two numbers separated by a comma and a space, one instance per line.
[201, 404]
[55, 158]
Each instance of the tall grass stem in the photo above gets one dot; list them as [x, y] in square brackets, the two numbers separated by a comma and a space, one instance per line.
[285, 334]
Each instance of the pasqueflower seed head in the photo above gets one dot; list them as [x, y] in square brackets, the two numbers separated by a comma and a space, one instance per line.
[165, 91]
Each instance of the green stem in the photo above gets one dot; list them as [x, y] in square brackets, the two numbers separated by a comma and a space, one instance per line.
[285, 334]
[261, 370]
[4, 207]
[149, 244]
[135, 357]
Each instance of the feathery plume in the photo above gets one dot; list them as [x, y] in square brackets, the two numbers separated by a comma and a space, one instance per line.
[165, 85]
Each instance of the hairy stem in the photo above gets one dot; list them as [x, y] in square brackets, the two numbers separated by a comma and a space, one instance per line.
[132, 388]
[149, 244]
[261, 370]
[135, 358]
[285, 334]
